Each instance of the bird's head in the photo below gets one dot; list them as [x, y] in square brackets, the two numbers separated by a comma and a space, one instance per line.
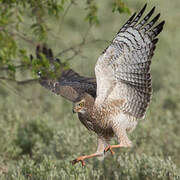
[83, 103]
[80, 106]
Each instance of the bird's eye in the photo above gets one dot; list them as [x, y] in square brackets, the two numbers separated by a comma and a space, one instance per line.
[81, 104]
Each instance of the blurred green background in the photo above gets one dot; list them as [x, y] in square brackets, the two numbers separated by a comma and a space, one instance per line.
[39, 135]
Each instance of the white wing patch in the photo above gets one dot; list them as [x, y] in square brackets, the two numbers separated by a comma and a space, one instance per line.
[123, 70]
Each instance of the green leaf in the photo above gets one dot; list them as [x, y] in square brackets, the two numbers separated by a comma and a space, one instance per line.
[92, 17]
[11, 67]
[120, 6]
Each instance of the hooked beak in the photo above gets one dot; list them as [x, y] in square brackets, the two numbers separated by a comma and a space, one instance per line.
[73, 111]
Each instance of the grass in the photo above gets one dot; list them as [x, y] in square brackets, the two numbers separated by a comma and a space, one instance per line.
[40, 135]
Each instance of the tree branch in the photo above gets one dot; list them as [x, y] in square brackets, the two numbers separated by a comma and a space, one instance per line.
[16, 67]
[22, 37]
[16, 92]
[62, 19]
[72, 48]
[29, 81]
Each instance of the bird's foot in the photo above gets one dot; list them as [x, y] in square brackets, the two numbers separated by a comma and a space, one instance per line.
[79, 159]
[82, 158]
[109, 148]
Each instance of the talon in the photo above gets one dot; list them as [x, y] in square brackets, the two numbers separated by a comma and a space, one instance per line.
[106, 149]
[112, 152]
[74, 161]
[83, 163]
[78, 160]
[109, 148]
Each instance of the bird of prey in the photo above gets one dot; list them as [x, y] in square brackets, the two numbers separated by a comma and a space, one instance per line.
[111, 104]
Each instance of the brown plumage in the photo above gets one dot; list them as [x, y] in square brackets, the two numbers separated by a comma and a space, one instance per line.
[123, 90]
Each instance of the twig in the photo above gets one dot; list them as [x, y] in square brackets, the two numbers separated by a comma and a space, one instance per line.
[17, 93]
[18, 35]
[73, 56]
[29, 81]
[86, 33]
[62, 19]
[72, 48]
[22, 37]
[16, 67]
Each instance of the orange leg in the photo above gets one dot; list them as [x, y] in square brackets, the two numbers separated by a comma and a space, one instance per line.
[82, 158]
[110, 147]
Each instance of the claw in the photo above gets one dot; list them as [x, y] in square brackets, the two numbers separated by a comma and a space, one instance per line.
[78, 160]
[109, 148]
[82, 158]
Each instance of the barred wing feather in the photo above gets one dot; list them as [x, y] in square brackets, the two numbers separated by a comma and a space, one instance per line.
[123, 70]
[69, 84]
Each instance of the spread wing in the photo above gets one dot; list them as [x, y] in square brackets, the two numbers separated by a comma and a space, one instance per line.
[70, 84]
[123, 70]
